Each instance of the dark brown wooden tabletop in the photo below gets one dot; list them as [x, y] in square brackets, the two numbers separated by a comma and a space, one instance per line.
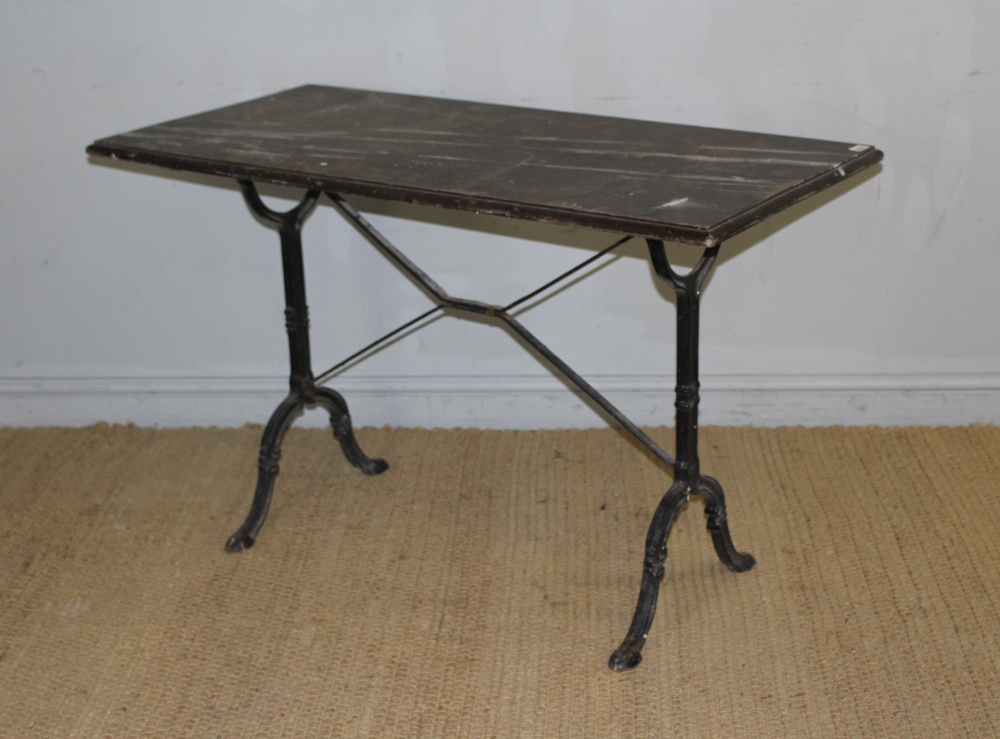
[682, 183]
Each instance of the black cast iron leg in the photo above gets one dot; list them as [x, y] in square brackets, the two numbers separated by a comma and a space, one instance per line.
[304, 391]
[715, 509]
[688, 479]
[340, 421]
[267, 471]
[629, 654]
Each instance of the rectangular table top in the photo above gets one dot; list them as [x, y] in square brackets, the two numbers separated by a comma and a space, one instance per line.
[681, 183]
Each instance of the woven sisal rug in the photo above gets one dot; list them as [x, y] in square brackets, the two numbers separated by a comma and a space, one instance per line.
[477, 588]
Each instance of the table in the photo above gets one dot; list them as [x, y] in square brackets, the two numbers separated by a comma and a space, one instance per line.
[655, 181]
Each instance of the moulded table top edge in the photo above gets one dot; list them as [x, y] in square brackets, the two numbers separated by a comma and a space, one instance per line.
[552, 178]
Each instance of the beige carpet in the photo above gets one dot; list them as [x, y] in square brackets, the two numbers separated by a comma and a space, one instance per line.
[478, 587]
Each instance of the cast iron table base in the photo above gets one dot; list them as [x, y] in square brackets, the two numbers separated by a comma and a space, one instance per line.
[688, 479]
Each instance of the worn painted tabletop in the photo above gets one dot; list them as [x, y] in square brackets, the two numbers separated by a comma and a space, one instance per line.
[682, 183]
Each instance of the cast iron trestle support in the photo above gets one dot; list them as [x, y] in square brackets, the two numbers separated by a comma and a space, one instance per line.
[303, 389]
[688, 479]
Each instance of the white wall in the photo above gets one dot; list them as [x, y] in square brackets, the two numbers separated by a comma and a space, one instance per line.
[128, 294]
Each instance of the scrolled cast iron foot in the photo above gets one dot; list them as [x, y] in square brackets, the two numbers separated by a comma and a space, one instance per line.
[715, 508]
[629, 654]
[267, 471]
[340, 421]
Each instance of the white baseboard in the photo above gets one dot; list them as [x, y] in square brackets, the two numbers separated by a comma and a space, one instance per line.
[509, 401]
